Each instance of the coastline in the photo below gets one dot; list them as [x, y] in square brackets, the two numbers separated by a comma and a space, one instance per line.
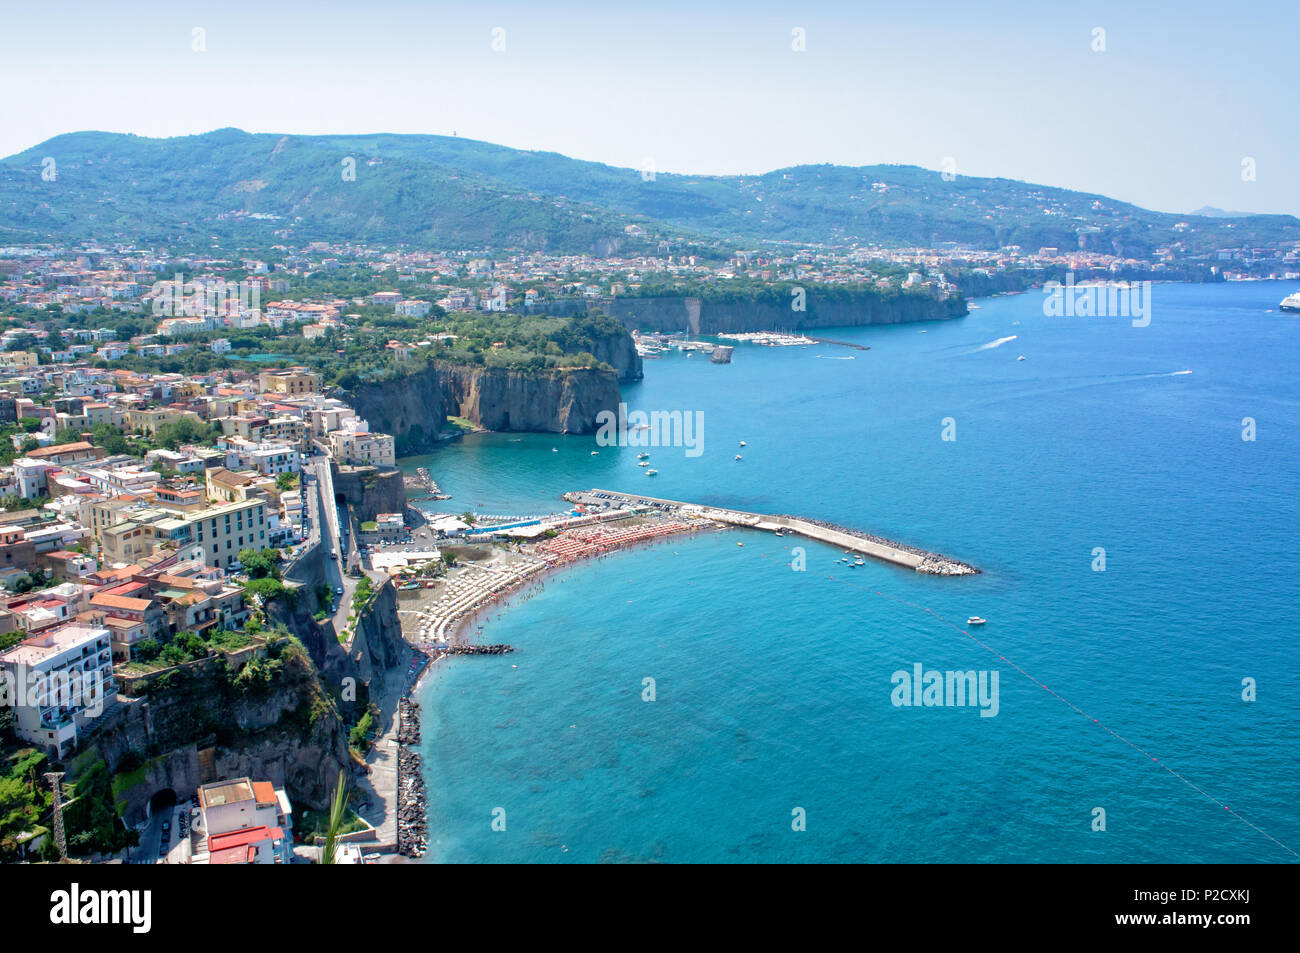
[483, 609]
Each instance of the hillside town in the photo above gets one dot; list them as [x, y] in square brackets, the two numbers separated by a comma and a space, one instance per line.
[196, 293]
[131, 502]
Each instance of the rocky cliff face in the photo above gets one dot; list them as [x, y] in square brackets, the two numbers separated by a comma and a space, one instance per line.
[370, 491]
[414, 408]
[411, 408]
[377, 643]
[619, 352]
[202, 727]
[557, 401]
[821, 310]
[378, 648]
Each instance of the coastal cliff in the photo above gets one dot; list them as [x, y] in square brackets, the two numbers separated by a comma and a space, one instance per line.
[565, 400]
[280, 725]
[414, 408]
[370, 490]
[773, 310]
[377, 645]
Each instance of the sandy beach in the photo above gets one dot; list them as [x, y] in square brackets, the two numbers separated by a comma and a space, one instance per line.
[472, 592]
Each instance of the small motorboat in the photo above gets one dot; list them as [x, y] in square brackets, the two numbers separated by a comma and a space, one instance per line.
[739, 457]
[651, 472]
[975, 620]
[1020, 358]
[742, 443]
[595, 453]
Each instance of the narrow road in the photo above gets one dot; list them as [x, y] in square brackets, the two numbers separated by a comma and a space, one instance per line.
[329, 519]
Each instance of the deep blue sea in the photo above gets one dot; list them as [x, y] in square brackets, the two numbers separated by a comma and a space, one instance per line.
[773, 687]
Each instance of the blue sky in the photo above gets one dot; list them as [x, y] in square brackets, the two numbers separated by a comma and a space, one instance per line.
[1163, 117]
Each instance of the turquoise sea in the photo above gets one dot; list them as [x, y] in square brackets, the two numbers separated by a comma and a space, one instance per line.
[773, 687]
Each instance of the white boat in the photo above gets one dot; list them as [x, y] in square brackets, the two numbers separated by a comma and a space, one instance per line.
[859, 561]
[742, 443]
[739, 457]
[651, 472]
[1020, 358]
[643, 456]
[644, 463]
[975, 620]
[553, 450]
[1291, 302]
[595, 453]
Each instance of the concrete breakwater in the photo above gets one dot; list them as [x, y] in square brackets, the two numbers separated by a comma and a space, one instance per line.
[856, 347]
[899, 554]
[412, 805]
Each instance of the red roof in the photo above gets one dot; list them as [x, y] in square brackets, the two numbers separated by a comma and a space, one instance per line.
[243, 838]
[125, 589]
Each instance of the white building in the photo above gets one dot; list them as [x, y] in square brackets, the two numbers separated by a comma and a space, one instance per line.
[412, 308]
[58, 682]
[244, 822]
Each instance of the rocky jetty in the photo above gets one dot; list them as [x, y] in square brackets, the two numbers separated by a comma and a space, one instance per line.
[476, 650]
[412, 805]
[943, 566]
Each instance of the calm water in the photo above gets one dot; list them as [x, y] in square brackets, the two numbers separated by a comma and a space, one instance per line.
[773, 686]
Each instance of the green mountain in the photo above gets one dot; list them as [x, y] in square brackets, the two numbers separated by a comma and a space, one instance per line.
[450, 192]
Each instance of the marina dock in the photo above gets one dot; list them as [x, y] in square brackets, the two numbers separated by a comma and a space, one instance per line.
[899, 554]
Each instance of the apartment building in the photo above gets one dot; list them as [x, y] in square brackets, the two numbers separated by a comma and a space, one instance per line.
[62, 679]
[222, 531]
[292, 382]
[355, 445]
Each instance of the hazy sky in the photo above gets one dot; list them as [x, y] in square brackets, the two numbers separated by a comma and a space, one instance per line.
[1163, 117]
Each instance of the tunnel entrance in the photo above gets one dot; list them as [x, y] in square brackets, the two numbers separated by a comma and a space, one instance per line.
[162, 801]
